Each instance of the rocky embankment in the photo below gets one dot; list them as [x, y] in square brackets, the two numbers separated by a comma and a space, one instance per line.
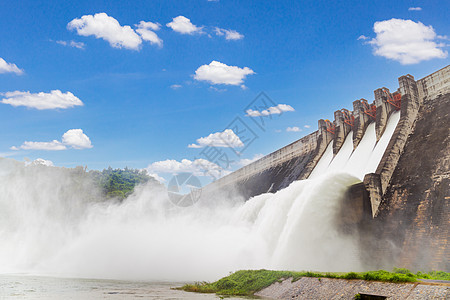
[326, 288]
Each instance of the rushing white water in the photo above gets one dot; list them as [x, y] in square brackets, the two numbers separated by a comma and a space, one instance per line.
[364, 159]
[51, 223]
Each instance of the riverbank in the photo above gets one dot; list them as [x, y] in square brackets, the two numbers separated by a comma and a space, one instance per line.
[400, 284]
[328, 288]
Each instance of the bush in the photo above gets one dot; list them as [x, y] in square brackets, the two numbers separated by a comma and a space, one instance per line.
[225, 284]
[435, 275]
[351, 275]
[382, 275]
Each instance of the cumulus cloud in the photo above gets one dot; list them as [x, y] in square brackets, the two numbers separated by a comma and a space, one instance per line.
[41, 162]
[406, 41]
[227, 138]
[105, 27]
[73, 138]
[307, 126]
[415, 8]
[183, 25]
[149, 25]
[53, 100]
[147, 31]
[273, 110]
[293, 129]
[229, 34]
[73, 44]
[156, 176]
[6, 67]
[175, 86]
[198, 167]
[220, 73]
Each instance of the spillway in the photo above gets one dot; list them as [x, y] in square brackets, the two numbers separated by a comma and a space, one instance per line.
[51, 225]
[364, 159]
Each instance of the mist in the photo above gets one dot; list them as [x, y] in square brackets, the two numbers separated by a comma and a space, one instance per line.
[53, 222]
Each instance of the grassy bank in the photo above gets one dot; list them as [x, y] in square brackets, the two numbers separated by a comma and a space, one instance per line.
[248, 282]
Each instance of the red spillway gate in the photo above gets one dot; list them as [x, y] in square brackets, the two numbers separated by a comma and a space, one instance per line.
[348, 117]
[330, 126]
[369, 109]
[394, 99]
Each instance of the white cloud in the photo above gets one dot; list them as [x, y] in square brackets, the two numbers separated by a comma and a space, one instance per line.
[229, 34]
[156, 176]
[105, 27]
[270, 111]
[198, 167]
[307, 126]
[176, 86]
[406, 41]
[183, 25]
[41, 162]
[219, 73]
[149, 25]
[48, 146]
[227, 138]
[53, 100]
[147, 31]
[73, 138]
[6, 67]
[415, 8]
[76, 139]
[363, 37]
[293, 129]
[247, 161]
[73, 44]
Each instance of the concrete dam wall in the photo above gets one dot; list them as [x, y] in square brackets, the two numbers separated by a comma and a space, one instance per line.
[412, 223]
[297, 160]
[403, 205]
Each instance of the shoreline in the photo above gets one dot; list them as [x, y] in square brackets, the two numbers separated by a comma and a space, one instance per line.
[400, 284]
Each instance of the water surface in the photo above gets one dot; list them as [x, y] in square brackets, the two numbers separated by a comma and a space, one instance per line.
[38, 287]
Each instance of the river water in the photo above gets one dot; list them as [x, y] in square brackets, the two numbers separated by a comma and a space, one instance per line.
[52, 288]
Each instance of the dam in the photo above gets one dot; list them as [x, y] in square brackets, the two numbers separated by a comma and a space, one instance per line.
[367, 190]
[401, 201]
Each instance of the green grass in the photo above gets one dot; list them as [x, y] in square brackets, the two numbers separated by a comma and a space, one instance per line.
[435, 275]
[248, 282]
[242, 283]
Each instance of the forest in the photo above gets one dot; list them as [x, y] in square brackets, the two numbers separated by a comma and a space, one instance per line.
[120, 183]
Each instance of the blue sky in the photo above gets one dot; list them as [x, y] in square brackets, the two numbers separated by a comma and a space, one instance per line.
[144, 94]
